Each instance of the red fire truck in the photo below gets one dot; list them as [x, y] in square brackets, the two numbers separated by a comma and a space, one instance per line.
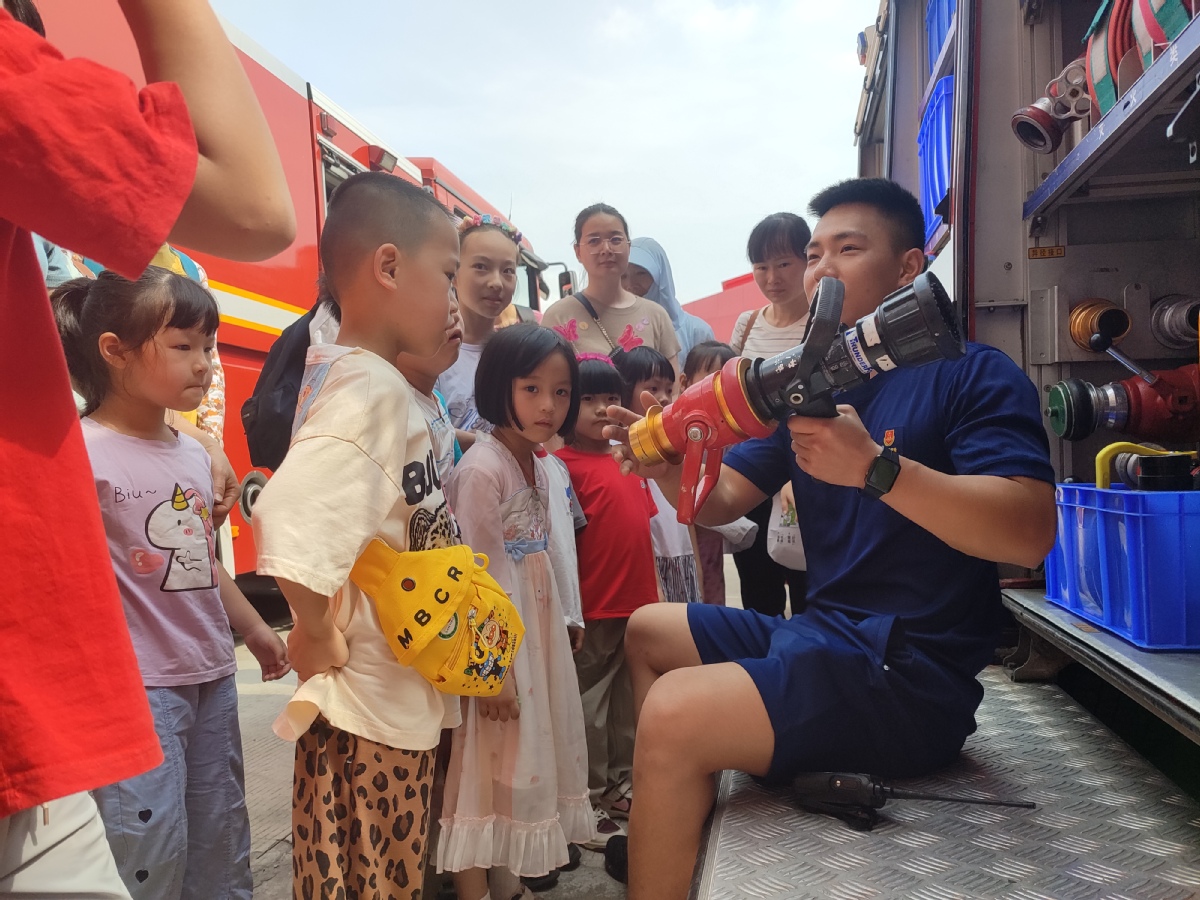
[320, 145]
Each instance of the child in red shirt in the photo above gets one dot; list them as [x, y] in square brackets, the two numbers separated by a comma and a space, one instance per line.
[616, 576]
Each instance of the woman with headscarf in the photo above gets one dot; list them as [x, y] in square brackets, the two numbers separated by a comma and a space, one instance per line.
[650, 277]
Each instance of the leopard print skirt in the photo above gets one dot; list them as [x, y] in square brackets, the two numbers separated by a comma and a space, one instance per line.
[360, 817]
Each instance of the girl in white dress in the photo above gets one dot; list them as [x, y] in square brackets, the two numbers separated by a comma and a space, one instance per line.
[516, 791]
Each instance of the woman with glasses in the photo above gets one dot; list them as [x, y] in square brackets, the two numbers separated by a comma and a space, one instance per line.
[605, 317]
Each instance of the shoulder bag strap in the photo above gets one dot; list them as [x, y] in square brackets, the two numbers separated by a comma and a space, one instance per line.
[746, 334]
[587, 304]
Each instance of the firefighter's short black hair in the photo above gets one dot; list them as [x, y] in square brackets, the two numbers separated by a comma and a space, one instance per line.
[368, 210]
[899, 207]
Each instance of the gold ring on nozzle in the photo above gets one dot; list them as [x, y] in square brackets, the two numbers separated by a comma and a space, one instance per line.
[743, 368]
[719, 390]
[648, 439]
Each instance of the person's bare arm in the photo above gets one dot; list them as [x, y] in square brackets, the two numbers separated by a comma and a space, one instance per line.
[1011, 520]
[226, 489]
[260, 638]
[239, 207]
[734, 494]
[315, 644]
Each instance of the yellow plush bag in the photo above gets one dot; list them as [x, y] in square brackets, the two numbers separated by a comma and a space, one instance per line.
[443, 615]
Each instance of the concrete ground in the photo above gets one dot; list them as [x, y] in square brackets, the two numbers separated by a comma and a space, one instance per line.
[269, 781]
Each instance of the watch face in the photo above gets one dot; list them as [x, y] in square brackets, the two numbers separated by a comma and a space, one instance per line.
[882, 474]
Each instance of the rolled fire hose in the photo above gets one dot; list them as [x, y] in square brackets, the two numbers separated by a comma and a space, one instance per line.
[1109, 38]
[1158, 22]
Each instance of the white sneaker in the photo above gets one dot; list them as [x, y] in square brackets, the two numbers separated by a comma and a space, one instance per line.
[606, 827]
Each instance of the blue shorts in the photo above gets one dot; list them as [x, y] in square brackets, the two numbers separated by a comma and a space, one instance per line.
[843, 695]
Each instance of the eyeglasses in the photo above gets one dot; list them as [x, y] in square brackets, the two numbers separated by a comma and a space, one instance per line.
[615, 242]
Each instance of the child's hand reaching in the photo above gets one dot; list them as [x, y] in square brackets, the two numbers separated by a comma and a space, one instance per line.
[270, 651]
[505, 705]
[619, 431]
[787, 498]
[575, 636]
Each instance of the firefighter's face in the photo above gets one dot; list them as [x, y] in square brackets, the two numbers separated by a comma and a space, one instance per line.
[854, 244]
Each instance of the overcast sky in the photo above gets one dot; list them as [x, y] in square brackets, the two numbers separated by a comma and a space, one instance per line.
[694, 118]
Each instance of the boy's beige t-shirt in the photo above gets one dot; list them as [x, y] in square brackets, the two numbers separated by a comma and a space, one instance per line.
[360, 466]
[643, 323]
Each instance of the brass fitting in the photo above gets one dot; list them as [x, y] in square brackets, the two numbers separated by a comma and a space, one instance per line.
[649, 442]
[1097, 316]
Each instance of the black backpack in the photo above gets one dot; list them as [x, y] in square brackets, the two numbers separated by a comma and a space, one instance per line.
[268, 415]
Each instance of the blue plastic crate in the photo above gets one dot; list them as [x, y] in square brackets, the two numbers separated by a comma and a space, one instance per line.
[1129, 561]
[935, 142]
[939, 14]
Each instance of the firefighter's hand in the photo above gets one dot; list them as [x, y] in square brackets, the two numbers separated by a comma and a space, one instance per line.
[622, 418]
[835, 451]
[505, 705]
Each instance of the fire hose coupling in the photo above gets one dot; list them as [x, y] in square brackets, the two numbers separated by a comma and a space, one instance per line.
[1040, 126]
[913, 326]
[1145, 468]
[1164, 407]
[1096, 316]
[1174, 320]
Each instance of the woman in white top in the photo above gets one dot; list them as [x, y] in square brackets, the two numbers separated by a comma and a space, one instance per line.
[777, 249]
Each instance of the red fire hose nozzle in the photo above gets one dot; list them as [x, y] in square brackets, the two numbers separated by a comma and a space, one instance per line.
[696, 428]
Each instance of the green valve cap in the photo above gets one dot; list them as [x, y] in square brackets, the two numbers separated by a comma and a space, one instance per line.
[1057, 411]
[1070, 409]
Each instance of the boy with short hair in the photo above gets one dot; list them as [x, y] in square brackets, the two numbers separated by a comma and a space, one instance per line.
[421, 373]
[361, 466]
[877, 674]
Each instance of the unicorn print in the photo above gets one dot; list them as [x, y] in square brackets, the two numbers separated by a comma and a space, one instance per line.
[183, 525]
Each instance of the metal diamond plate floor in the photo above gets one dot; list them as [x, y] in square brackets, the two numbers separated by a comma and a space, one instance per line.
[1108, 826]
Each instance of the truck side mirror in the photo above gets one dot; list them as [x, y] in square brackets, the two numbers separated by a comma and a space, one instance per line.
[566, 283]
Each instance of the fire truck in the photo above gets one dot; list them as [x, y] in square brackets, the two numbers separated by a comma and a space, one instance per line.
[1053, 146]
[320, 145]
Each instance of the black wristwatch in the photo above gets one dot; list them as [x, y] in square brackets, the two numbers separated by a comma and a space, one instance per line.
[882, 474]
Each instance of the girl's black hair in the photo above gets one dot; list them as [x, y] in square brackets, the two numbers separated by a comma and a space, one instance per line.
[512, 353]
[599, 377]
[26, 13]
[703, 355]
[779, 234]
[135, 311]
[597, 209]
[638, 365]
